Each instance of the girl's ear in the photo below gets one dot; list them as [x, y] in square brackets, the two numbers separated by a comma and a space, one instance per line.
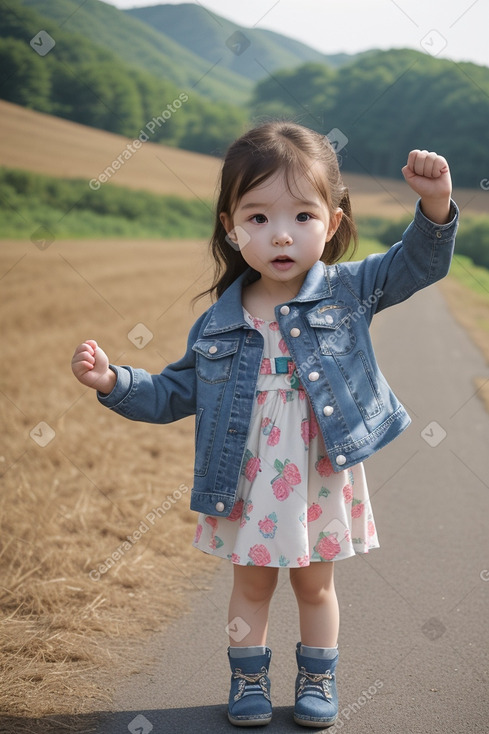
[226, 221]
[334, 223]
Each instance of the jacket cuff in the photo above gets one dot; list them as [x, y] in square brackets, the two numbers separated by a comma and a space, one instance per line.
[121, 388]
[430, 228]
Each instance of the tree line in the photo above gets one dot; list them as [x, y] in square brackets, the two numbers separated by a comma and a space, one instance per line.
[384, 104]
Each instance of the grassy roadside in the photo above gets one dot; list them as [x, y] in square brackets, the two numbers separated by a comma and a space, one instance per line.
[466, 291]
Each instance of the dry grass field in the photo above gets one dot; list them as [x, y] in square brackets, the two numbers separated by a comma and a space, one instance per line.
[36, 142]
[80, 483]
[77, 479]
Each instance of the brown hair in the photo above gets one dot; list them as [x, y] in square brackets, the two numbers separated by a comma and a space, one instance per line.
[255, 156]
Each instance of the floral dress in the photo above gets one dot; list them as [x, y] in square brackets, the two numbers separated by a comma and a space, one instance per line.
[291, 508]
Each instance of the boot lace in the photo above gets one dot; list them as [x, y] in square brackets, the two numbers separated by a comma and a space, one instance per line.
[316, 683]
[250, 683]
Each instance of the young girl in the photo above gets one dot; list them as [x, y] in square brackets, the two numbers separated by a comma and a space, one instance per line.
[288, 398]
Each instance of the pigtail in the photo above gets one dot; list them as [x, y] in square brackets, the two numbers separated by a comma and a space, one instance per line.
[346, 236]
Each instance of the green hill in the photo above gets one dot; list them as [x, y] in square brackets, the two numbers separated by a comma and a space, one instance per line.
[87, 82]
[140, 46]
[249, 52]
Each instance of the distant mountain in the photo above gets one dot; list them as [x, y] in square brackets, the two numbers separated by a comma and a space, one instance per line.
[183, 44]
[249, 52]
[141, 46]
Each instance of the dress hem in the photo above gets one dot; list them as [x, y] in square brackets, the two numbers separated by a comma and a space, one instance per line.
[288, 565]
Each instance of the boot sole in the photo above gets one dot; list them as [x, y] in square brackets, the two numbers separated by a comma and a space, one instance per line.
[315, 724]
[249, 722]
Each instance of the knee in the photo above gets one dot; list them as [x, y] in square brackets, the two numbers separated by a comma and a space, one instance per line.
[259, 588]
[310, 589]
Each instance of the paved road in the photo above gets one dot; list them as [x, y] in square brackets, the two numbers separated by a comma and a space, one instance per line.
[413, 638]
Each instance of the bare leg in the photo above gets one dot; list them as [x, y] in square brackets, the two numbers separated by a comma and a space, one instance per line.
[250, 600]
[319, 614]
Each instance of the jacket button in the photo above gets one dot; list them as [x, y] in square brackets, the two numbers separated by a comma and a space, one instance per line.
[329, 319]
[295, 332]
[328, 410]
[212, 350]
[340, 459]
[313, 376]
[220, 506]
[285, 310]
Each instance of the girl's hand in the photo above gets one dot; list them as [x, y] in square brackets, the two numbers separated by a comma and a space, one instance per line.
[428, 175]
[90, 366]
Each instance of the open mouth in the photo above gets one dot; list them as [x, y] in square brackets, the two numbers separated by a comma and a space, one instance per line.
[283, 259]
[283, 262]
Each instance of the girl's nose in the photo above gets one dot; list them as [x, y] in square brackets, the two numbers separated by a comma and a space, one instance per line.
[282, 240]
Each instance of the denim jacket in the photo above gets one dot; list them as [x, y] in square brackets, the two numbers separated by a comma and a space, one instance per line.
[326, 329]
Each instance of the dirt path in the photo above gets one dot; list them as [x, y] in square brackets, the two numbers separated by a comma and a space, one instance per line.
[413, 642]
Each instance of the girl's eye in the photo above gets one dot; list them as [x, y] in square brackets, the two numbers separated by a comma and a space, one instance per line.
[259, 218]
[303, 217]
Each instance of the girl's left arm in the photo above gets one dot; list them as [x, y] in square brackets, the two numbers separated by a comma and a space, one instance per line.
[428, 175]
[425, 251]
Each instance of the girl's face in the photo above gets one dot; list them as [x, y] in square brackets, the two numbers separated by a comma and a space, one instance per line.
[281, 233]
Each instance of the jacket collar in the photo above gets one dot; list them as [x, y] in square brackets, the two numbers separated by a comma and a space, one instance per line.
[227, 313]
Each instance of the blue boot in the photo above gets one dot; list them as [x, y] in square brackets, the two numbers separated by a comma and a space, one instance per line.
[249, 697]
[316, 699]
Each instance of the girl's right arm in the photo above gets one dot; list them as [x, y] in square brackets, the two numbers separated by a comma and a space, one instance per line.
[135, 393]
[90, 366]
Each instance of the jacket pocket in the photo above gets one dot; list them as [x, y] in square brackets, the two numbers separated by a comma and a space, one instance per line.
[332, 327]
[214, 359]
[369, 400]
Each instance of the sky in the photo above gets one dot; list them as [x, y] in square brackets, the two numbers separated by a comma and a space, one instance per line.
[454, 29]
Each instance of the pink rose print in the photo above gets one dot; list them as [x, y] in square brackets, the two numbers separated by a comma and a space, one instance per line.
[291, 473]
[266, 366]
[283, 347]
[314, 512]
[371, 529]
[212, 521]
[303, 560]
[348, 493]
[237, 510]
[215, 543]
[357, 508]
[262, 396]
[266, 422]
[328, 547]
[258, 323]
[274, 436]
[268, 525]
[246, 513]
[251, 466]
[235, 558]
[259, 555]
[309, 429]
[288, 475]
[324, 467]
[273, 326]
[198, 533]
[281, 489]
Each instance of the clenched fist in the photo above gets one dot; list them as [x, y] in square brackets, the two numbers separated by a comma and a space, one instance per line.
[90, 366]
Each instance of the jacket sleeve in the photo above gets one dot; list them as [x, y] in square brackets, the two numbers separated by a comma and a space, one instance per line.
[422, 257]
[162, 398]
